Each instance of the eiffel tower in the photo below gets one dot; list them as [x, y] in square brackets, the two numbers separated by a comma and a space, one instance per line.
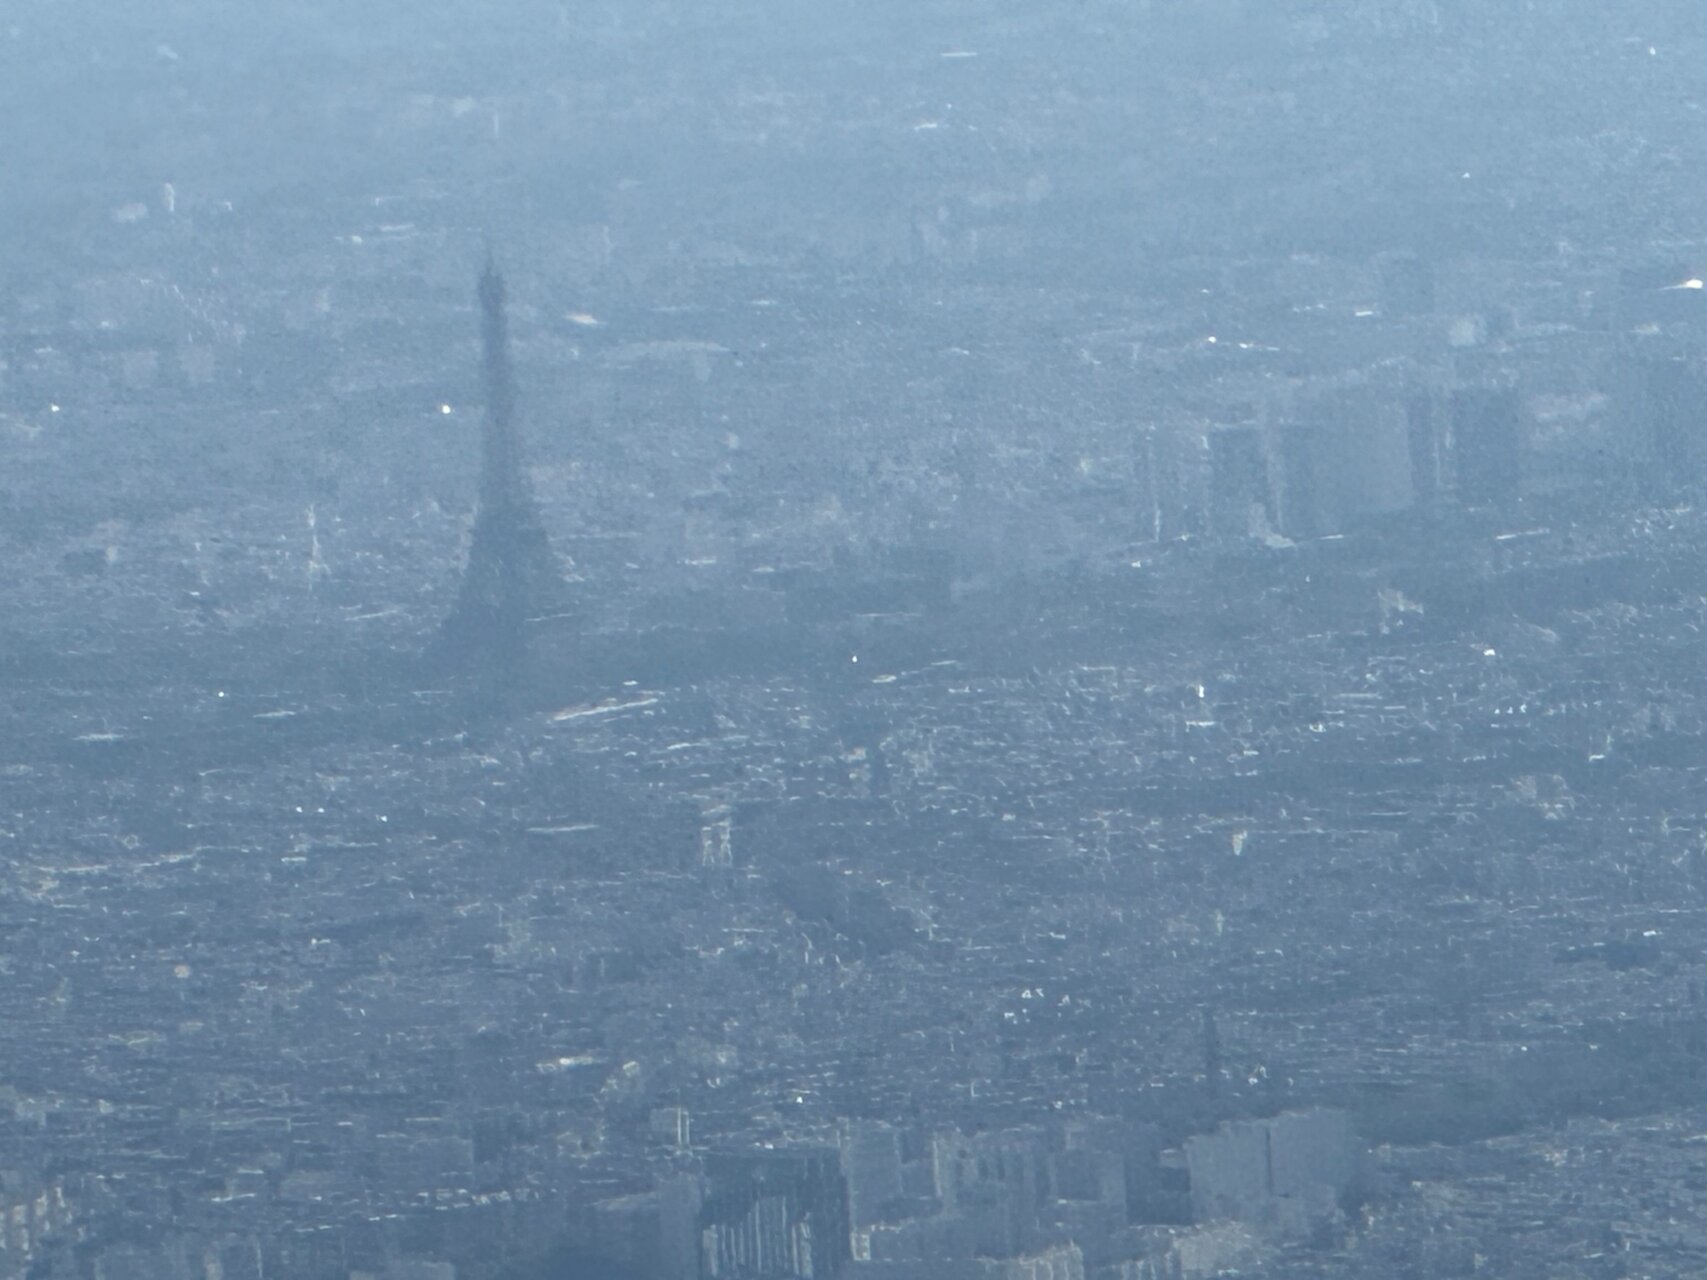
[512, 574]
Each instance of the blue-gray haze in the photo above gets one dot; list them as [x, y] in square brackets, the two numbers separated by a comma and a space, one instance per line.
[929, 639]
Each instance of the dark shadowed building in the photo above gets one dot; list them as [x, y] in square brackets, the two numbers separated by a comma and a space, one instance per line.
[1425, 439]
[1662, 418]
[1306, 508]
[1365, 465]
[1288, 1172]
[773, 1215]
[1487, 445]
[1241, 500]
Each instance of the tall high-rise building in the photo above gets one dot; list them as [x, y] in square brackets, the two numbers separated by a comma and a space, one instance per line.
[1487, 444]
[871, 1163]
[774, 1215]
[1285, 1171]
[1306, 506]
[511, 574]
[1662, 408]
[1423, 437]
[1365, 465]
[1241, 499]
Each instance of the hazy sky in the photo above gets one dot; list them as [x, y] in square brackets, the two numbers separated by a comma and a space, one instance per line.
[1306, 124]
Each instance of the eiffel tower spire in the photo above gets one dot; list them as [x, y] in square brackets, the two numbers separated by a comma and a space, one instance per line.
[511, 574]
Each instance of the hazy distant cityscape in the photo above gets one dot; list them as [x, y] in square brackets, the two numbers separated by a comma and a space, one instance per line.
[943, 642]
